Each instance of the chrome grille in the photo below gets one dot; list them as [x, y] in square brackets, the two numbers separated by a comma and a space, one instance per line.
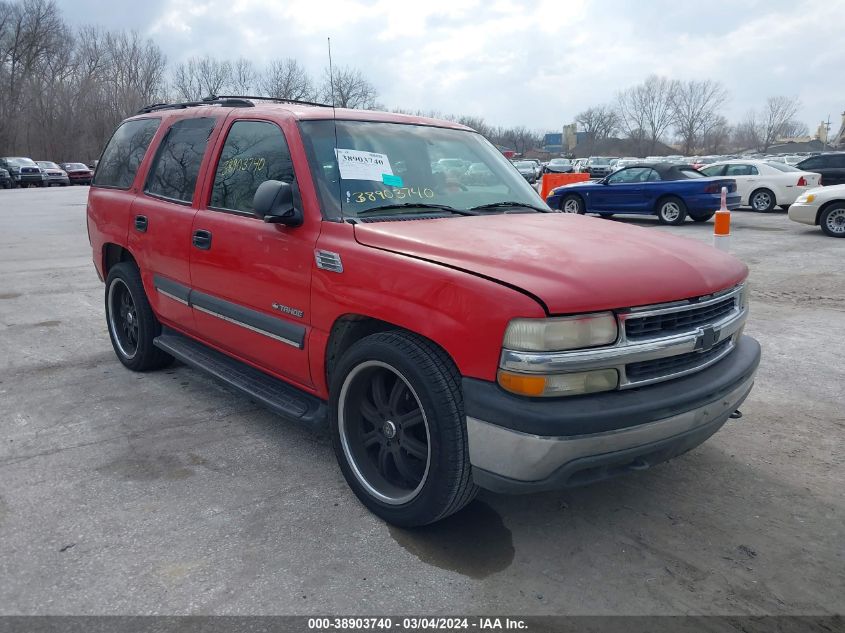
[650, 369]
[655, 343]
[674, 322]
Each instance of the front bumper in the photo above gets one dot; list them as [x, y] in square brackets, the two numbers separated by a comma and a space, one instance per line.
[524, 445]
[803, 213]
[29, 178]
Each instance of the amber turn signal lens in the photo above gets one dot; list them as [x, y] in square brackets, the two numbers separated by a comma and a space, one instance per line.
[522, 384]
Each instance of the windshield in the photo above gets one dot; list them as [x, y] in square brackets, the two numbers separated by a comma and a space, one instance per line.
[76, 166]
[599, 161]
[525, 164]
[46, 164]
[559, 161]
[21, 162]
[378, 164]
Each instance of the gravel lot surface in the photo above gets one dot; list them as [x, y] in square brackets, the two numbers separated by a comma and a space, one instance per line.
[165, 493]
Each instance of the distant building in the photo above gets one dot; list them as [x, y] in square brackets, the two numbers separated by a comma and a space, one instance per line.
[553, 143]
[839, 139]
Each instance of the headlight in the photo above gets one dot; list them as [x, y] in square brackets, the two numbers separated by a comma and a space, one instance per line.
[806, 197]
[561, 333]
[553, 385]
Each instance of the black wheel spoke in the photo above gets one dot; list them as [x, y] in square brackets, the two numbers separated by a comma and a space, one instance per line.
[414, 447]
[384, 458]
[372, 438]
[370, 413]
[410, 419]
[408, 471]
[379, 389]
[396, 393]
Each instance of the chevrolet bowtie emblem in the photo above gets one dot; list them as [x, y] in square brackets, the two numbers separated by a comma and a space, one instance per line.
[707, 339]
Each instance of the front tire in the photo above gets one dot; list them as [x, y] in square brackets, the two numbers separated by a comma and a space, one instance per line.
[832, 221]
[671, 211]
[131, 322]
[762, 200]
[572, 203]
[702, 218]
[398, 429]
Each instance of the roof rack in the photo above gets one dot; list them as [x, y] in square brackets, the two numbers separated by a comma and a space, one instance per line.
[224, 101]
[274, 99]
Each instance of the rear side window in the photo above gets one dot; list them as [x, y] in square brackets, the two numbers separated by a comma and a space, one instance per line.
[713, 170]
[689, 172]
[255, 151]
[124, 153]
[837, 160]
[174, 171]
[741, 170]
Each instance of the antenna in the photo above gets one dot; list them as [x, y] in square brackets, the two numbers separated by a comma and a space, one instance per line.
[334, 119]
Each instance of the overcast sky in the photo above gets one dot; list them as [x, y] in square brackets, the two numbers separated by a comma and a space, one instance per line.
[517, 63]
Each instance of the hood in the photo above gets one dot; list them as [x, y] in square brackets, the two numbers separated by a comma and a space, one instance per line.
[571, 263]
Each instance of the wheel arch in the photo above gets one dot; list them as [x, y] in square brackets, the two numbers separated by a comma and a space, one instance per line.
[663, 197]
[826, 206]
[350, 328]
[574, 194]
[114, 254]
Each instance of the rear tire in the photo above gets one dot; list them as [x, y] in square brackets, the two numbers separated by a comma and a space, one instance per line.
[131, 322]
[671, 210]
[573, 203]
[832, 220]
[398, 429]
[762, 200]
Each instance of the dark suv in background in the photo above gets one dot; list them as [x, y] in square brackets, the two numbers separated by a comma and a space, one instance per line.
[24, 171]
[830, 166]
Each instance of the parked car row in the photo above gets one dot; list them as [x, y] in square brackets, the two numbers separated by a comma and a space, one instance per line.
[19, 171]
[829, 165]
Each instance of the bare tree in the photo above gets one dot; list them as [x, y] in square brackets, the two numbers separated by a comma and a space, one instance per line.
[747, 132]
[201, 77]
[30, 32]
[244, 77]
[286, 79]
[599, 122]
[794, 129]
[695, 105]
[351, 89]
[715, 136]
[774, 118]
[646, 111]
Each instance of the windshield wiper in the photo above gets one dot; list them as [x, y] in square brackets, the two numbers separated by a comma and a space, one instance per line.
[495, 205]
[417, 205]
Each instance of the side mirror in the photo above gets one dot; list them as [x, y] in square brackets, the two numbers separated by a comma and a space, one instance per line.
[273, 203]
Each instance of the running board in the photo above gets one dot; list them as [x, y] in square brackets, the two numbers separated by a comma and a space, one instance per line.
[272, 393]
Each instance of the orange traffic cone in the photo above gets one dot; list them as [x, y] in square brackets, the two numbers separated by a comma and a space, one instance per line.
[722, 225]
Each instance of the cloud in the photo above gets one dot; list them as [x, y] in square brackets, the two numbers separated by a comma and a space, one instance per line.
[521, 62]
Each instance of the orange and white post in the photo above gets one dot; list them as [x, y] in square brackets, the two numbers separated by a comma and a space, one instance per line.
[722, 225]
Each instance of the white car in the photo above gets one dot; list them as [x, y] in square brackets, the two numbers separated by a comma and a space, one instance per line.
[763, 185]
[824, 206]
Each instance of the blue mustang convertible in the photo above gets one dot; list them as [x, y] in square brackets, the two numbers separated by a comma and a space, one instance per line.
[669, 191]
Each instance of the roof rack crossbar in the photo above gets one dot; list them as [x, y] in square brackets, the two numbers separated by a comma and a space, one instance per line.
[274, 99]
[224, 101]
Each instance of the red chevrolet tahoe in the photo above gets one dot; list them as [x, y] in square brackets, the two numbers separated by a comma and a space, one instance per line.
[395, 280]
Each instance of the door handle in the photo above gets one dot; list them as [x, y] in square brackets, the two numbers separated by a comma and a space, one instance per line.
[201, 239]
[141, 223]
